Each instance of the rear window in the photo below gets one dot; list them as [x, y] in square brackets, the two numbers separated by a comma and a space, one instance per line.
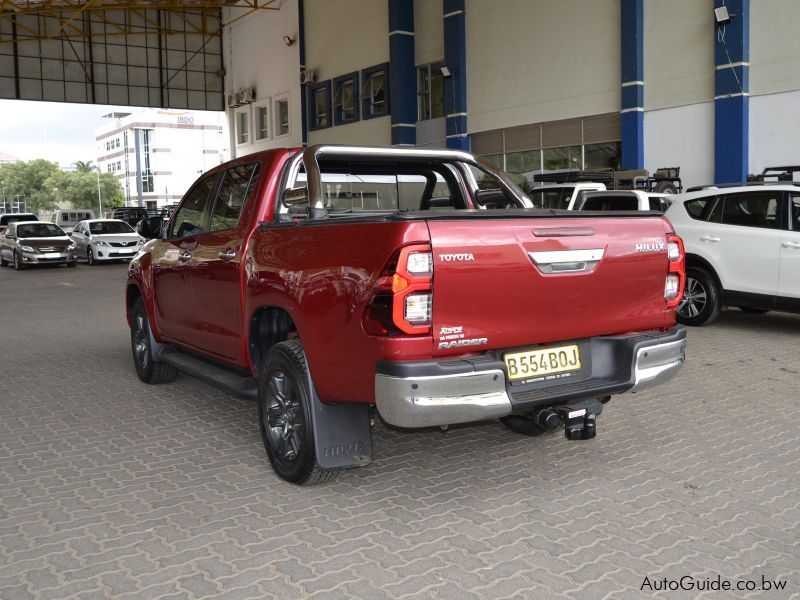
[6, 219]
[611, 203]
[696, 207]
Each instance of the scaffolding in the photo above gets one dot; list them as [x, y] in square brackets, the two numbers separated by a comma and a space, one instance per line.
[147, 53]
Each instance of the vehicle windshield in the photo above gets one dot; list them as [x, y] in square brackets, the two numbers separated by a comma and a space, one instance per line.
[34, 230]
[552, 197]
[110, 227]
[6, 219]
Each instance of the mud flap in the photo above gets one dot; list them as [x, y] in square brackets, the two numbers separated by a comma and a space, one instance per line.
[342, 432]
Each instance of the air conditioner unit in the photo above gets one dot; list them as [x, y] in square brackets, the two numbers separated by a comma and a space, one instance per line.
[247, 95]
[307, 76]
[233, 100]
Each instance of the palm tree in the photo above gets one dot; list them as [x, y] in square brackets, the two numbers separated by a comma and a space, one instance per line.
[84, 166]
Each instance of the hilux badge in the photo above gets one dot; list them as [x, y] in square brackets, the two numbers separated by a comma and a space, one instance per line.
[654, 247]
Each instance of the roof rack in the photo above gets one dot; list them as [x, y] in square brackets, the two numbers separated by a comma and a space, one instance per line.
[711, 186]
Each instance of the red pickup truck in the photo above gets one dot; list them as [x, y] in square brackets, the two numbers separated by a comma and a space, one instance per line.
[333, 281]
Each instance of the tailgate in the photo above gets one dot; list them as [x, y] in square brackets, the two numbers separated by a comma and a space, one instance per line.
[595, 276]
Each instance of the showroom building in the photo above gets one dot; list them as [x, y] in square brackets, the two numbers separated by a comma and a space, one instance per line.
[537, 85]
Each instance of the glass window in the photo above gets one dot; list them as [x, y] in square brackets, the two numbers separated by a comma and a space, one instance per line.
[602, 156]
[749, 210]
[189, 220]
[566, 157]
[555, 197]
[603, 201]
[282, 116]
[431, 92]
[234, 190]
[110, 227]
[795, 213]
[521, 167]
[374, 94]
[242, 128]
[319, 106]
[345, 100]
[696, 207]
[262, 123]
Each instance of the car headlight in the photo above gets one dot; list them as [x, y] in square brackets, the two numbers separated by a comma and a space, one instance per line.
[140, 241]
[27, 249]
[72, 246]
[100, 243]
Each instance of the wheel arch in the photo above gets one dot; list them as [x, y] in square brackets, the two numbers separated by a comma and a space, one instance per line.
[269, 325]
[696, 261]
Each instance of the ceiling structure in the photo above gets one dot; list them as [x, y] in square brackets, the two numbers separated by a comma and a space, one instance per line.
[154, 53]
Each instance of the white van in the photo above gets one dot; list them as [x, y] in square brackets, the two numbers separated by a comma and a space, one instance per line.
[67, 219]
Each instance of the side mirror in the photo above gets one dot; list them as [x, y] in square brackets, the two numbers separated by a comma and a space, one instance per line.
[151, 228]
[294, 196]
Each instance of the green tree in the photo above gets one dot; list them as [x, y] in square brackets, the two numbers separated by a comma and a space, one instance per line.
[79, 188]
[30, 179]
[84, 166]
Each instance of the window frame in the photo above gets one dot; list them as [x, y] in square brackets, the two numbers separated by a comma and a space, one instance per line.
[366, 101]
[780, 210]
[205, 217]
[251, 182]
[276, 124]
[313, 109]
[428, 69]
[267, 105]
[237, 126]
[338, 109]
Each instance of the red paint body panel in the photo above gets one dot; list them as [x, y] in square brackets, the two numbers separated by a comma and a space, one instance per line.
[502, 296]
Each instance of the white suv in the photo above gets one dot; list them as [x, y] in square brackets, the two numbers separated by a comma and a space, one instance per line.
[742, 249]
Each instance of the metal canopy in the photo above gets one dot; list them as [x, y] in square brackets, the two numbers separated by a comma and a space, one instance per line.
[138, 53]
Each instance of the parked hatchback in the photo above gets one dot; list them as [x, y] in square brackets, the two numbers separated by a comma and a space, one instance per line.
[27, 243]
[106, 239]
[742, 249]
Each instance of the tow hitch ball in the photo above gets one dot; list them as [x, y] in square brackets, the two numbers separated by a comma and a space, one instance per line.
[579, 424]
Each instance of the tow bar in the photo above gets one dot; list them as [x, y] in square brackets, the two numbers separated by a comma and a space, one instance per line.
[579, 424]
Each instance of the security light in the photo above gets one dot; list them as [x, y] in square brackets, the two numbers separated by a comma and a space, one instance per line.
[288, 40]
[721, 15]
[445, 72]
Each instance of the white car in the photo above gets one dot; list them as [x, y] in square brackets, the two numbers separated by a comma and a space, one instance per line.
[106, 239]
[625, 200]
[564, 196]
[742, 249]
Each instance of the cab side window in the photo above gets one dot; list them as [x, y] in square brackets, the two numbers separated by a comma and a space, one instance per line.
[191, 217]
[795, 216]
[238, 184]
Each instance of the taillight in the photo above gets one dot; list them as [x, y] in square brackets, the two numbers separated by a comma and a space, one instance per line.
[402, 300]
[676, 274]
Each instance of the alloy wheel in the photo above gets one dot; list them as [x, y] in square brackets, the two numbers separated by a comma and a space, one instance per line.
[695, 298]
[284, 417]
[141, 342]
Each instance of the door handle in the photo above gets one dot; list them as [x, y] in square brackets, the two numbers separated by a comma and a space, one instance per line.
[709, 238]
[184, 256]
[791, 244]
[228, 254]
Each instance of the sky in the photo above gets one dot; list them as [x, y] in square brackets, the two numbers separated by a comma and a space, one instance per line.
[56, 131]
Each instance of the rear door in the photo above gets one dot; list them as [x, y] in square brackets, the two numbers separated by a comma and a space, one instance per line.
[215, 267]
[741, 238]
[789, 276]
[507, 283]
[170, 258]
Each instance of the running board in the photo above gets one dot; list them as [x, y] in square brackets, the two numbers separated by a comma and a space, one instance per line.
[239, 385]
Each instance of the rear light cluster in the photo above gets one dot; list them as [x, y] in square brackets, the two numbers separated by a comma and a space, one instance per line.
[676, 275]
[402, 300]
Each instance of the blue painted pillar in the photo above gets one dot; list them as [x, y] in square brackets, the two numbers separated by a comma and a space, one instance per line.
[402, 73]
[455, 86]
[301, 42]
[632, 113]
[731, 93]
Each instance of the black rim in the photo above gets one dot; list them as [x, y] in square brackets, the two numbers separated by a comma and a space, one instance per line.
[17, 261]
[284, 417]
[141, 343]
[89, 256]
[695, 299]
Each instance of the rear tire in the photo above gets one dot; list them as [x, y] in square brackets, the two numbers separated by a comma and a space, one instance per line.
[148, 370]
[666, 187]
[284, 415]
[701, 299]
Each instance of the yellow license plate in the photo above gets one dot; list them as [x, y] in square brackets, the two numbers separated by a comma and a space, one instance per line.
[540, 363]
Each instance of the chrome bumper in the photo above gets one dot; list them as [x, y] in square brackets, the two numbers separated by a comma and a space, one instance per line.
[657, 364]
[425, 395]
[442, 400]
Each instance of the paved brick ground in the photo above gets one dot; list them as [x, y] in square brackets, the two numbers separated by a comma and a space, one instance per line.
[113, 489]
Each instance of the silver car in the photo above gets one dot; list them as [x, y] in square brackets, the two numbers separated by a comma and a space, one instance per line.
[106, 239]
[35, 243]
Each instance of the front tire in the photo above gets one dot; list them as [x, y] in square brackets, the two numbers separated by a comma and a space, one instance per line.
[18, 264]
[3, 262]
[90, 257]
[284, 415]
[147, 369]
[701, 299]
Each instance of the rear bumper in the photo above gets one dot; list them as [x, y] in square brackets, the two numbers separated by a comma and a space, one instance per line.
[430, 393]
